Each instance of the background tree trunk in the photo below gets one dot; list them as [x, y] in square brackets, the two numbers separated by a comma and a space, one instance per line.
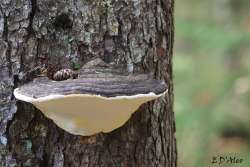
[136, 34]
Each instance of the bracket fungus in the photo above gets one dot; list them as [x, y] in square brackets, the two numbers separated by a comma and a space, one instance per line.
[94, 102]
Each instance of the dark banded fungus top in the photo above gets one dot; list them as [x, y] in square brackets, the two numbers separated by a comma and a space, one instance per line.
[105, 84]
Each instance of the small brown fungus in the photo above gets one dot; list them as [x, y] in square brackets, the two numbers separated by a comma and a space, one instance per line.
[65, 74]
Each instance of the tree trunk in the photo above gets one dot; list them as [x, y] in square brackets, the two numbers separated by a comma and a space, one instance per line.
[135, 34]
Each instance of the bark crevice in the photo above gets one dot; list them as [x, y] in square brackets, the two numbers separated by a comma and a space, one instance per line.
[31, 18]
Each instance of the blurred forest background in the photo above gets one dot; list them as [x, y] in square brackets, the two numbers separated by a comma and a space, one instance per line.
[212, 80]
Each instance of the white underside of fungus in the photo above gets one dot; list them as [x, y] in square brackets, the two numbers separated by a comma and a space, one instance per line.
[87, 114]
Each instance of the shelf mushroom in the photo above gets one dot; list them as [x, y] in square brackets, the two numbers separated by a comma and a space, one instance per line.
[95, 102]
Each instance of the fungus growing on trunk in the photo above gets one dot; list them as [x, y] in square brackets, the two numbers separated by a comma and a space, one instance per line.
[95, 102]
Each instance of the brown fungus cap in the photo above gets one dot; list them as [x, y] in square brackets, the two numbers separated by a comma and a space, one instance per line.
[97, 101]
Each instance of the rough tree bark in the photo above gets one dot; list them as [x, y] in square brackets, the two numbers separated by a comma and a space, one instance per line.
[136, 34]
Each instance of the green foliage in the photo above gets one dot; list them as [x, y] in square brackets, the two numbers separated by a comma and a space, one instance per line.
[212, 83]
